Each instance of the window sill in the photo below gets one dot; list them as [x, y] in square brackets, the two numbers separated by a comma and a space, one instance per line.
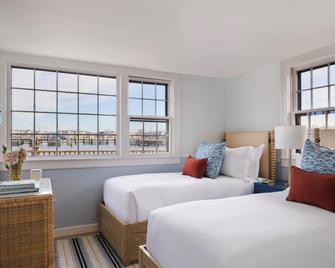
[88, 162]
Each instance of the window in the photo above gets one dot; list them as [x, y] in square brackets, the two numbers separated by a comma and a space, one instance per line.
[316, 97]
[62, 113]
[149, 120]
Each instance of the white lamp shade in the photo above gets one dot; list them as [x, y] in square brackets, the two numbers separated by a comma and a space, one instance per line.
[290, 137]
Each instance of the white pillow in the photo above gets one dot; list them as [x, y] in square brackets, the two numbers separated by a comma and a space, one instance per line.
[298, 158]
[242, 162]
[254, 161]
[236, 162]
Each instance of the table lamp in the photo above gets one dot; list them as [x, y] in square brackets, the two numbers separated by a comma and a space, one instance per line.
[290, 138]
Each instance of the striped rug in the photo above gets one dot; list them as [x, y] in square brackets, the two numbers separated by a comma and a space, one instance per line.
[87, 252]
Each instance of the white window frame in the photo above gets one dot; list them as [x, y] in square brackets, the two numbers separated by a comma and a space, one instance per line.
[122, 74]
[289, 69]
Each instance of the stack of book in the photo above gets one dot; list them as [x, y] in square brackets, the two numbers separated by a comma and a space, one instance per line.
[18, 187]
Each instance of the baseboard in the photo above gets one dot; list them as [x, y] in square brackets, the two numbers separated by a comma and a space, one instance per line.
[76, 230]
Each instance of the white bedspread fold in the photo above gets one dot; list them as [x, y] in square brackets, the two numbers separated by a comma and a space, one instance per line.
[132, 198]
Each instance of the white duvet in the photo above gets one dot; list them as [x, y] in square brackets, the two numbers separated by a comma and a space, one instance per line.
[254, 231]
[132, 198]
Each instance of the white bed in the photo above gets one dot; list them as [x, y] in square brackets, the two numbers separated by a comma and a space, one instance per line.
[254, 231]
[132, 198]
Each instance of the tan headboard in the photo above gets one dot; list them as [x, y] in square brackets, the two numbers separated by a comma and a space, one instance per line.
[325, 137]
[268, 159]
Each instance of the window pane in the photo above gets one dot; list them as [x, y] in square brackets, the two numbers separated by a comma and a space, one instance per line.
[107, 105]
[331, 120]
[135, 90]
[162, 143]
[22, 122]
[161, 92]
[305, 100]
[107, 144]
[150, 144]
[318, 121]
[162, 128]
[88, 83]
[67, 82]
[67, 124]
[23, 141]
[22, 78]
[305, 80]
[107, 124]
[149, 91]
[320, 97]
[22, 100]
[136, 144]
[134, 107]
[88, 104]
[45, 123]
[67, 103]
[45, 101]
[161, 108]
[320, 77]
[332, 96]
[149, 107]
[136, 128]
[107, 85]
[332, 74]
[88, 144]
[150, 128]
[304, 121]
[45, 80]
[46, 145]
[88, 124]
[67, 144]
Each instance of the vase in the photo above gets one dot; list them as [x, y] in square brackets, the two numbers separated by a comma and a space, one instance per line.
[15, 173]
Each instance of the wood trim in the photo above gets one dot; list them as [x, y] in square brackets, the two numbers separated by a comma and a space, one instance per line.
[76, 230]
[124, 238]
[145, 259]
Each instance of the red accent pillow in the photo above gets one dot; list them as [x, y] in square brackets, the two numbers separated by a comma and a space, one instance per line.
[312, 188]
[195, 167]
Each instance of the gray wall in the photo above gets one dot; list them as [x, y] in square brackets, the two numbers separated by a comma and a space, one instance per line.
[253, 102]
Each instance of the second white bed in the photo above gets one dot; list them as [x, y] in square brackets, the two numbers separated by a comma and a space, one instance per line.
[255, 231]
[132, 198]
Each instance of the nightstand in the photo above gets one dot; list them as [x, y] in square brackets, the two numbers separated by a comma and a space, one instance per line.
[270, 186]
[27, 228]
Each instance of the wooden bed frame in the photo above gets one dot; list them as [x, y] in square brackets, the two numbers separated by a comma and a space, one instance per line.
[126, 238]
[324, 137]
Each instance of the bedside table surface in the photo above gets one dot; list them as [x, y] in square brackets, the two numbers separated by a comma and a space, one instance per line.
[45, 189]
[267, 187]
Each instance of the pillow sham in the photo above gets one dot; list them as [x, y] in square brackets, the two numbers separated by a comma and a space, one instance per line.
[242, 162]
[317, 158]
[298, 158]
[236, 162]
[215, 154]
[312, 188]
[254, 162]
[195, 167]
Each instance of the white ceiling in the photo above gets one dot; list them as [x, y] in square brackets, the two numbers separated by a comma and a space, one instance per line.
[220, 38]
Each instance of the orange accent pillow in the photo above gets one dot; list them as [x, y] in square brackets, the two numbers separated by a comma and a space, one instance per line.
[312, 188]
[195, 167]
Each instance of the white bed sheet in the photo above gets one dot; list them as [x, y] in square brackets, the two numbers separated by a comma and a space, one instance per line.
[261, 230]
[132, 198]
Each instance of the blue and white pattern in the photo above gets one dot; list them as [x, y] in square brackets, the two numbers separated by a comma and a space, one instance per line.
[316, 158]
[215, 155]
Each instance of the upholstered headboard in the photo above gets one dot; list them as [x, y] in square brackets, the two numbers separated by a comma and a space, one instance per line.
[268, 159]
[325, 137]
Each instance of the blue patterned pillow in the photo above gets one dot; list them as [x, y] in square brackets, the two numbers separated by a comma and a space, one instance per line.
[316, 158]
[215, 155]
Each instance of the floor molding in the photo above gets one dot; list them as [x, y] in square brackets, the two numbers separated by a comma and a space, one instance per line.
[76, 230]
